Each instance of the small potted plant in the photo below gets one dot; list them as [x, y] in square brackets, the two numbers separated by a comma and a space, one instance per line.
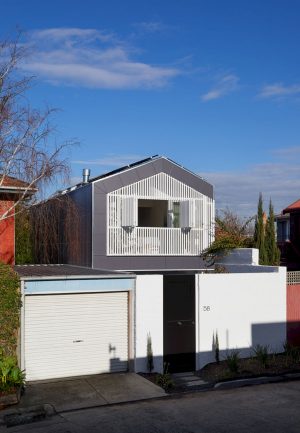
[11, 381]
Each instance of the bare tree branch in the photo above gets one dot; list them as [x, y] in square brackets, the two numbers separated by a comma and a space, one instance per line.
[27, 149]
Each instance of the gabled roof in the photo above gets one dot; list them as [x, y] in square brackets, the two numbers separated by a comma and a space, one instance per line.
[292, 207]
[142, 170]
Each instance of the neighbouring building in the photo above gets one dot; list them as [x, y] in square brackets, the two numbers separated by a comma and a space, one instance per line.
[11, 189]
[288, 236]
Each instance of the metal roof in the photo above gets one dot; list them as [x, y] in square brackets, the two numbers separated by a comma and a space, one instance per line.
[66, 271]
[292, 207]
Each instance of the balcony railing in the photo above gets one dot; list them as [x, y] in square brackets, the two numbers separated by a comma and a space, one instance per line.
[157, 241]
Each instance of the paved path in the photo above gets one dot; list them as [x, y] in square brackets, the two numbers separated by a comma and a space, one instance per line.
[272, 408]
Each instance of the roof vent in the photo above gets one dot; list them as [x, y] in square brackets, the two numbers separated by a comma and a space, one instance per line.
[86, 175]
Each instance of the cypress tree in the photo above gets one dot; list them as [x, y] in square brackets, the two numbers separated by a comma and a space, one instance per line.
[272, 251]
[259, 232]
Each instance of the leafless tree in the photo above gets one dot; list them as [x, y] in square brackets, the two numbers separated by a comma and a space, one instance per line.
[55, 227]
[28, 150]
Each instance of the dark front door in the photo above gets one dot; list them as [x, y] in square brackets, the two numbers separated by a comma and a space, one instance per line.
[179, 322]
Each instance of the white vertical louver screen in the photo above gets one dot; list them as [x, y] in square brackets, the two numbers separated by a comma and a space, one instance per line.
[187, 213]
[129, 212]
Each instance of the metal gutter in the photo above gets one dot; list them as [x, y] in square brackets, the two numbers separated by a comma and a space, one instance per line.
[77, 277]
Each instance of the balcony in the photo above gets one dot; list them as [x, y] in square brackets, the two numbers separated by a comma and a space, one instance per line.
[157, 241]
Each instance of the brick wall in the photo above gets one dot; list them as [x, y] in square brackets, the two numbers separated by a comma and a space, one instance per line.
[293, 313]
[7, 235]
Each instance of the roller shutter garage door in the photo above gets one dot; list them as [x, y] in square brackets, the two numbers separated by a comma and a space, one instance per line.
[75, 334]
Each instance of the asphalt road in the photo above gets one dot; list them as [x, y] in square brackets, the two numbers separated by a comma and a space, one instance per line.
[265, 408]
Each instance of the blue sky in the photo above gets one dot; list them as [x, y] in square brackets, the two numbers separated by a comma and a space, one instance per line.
[213, 85]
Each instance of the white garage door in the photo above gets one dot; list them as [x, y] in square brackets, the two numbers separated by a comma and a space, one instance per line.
[75, 334]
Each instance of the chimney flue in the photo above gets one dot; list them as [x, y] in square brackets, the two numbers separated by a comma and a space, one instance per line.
[86, 175]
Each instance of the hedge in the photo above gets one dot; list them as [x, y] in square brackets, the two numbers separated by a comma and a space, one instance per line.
[10, 304]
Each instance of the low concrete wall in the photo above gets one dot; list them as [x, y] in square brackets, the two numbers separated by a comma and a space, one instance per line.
[245, 310]
[243, 260]
[238, 269]
[240, 256]
[149, 320]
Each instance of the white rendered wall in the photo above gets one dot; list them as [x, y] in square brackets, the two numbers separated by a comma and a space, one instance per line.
[149, 320]
[245, 310]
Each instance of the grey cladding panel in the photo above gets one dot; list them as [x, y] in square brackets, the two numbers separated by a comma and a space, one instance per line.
[99, 187]
[151, 168]
[99, 203]
[112, 183]
[128, 177]
[146, 170]
[150, 263]
[158, 165]
[99, 244]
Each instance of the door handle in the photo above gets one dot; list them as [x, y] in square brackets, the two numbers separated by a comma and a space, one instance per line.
[77, 341]
[179, 323]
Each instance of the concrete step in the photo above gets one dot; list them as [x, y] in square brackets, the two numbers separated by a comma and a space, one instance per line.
[187, 379]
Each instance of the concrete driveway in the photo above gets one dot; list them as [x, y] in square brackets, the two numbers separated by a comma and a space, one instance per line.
[89, 391]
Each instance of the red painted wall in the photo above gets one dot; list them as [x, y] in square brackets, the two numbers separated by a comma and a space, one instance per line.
[7, 235]
[293, 314]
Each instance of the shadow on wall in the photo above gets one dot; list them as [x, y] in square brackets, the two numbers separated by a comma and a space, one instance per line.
[273, 335]
[293, 333]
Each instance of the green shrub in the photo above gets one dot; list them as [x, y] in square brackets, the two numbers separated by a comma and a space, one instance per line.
[292, 352]
[10, 304]
[262, 354]
[10, 374]
[165, 380]
[232, 360]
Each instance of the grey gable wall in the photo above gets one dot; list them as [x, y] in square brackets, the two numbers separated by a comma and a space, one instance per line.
[104, 186]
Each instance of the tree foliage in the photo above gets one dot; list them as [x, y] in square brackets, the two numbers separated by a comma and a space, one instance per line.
[265, 236]
[259, 232]
[24, 253]
[10, 304]
[231, 232]
[272, 251]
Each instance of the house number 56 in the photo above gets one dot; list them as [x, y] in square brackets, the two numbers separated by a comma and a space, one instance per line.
[206, 308]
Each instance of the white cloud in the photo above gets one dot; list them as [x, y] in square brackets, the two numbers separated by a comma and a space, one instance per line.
[150, 26]
[91, 58]
[225, 85]
[64, 33]
[279, 90]
[239, 189]
[288, 153]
